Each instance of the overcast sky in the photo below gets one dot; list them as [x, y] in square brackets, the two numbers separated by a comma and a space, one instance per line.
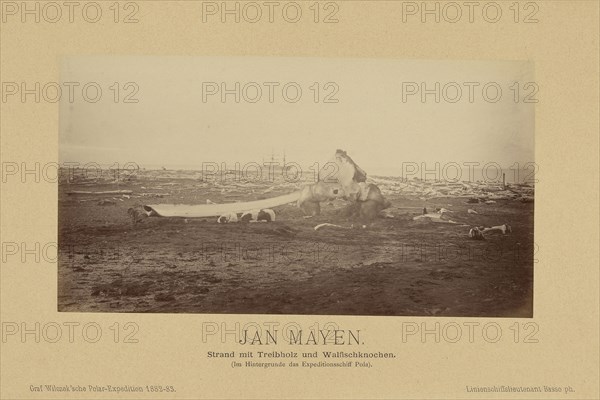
[172, 125]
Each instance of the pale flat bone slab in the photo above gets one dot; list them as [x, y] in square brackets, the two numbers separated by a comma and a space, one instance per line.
[326, 224]
[215, 210]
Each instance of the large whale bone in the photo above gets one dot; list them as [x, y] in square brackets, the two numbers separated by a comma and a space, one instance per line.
[366, 198]
[312, 195]
[349, 175]
[215, 210]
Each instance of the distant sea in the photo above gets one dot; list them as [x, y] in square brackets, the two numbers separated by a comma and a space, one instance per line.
[491, 174]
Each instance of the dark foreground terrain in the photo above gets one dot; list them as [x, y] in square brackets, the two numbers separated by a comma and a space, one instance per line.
[394, 266]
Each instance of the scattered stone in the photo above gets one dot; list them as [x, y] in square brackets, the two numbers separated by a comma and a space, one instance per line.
[137, 215]
[227, 218]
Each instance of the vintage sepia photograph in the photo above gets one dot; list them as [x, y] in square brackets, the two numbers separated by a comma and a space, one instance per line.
[293, 185]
